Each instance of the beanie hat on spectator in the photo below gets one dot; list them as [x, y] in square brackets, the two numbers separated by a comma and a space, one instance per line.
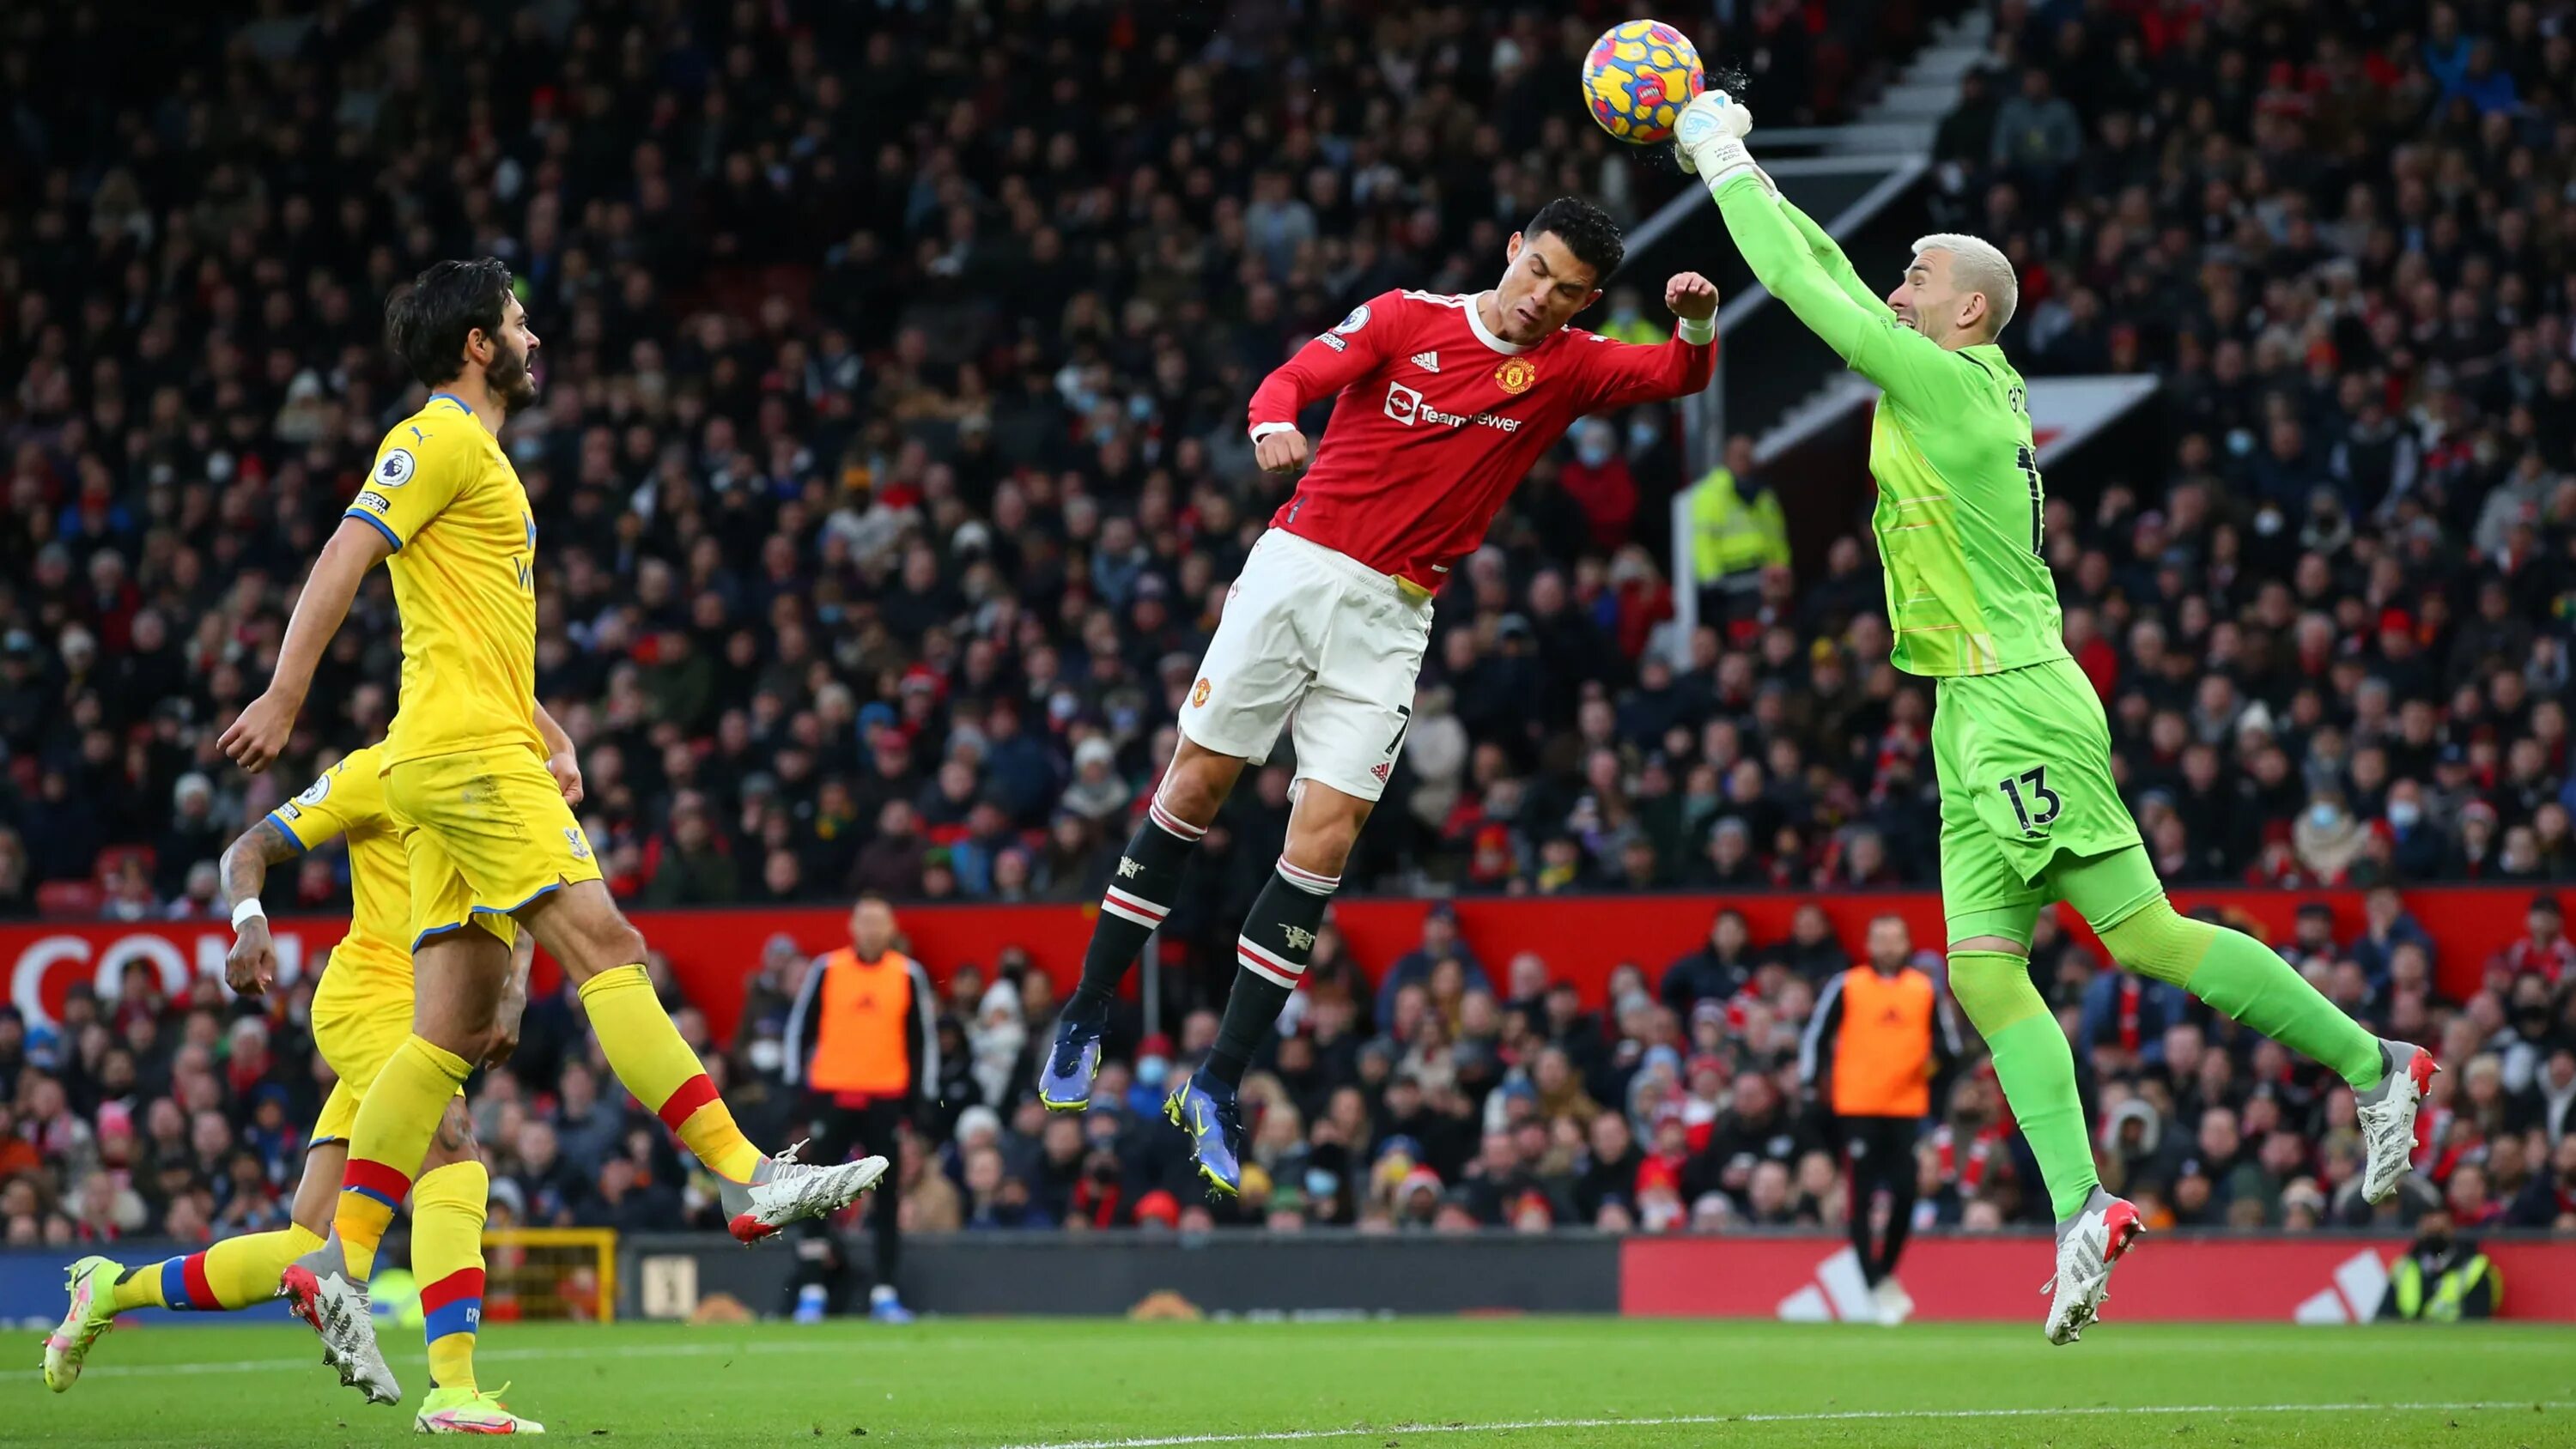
[1159, 1207]
[978, 1120]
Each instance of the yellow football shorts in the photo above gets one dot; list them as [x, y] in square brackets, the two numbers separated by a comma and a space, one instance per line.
[361, 1012]
[484, 832]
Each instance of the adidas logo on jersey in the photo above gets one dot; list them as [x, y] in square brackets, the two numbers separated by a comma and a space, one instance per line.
[1427, 361]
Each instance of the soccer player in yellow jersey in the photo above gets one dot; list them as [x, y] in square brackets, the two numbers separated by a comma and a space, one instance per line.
[482, 782]
[361, 1013]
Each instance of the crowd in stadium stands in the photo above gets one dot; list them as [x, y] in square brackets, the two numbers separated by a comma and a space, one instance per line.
[1455, 1094]
[889, 474]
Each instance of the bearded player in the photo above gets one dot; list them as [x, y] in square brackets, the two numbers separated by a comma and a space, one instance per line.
[361, 1013]
[482, 783]
[1443, 404]
[2030, 813]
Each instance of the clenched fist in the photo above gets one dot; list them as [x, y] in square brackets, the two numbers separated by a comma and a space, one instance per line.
[1692, 297]
[1285, 451]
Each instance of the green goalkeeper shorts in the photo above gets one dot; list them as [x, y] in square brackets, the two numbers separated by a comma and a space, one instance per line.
[2024, 763]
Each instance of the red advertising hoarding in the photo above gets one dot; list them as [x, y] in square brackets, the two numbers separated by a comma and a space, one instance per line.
[1582, 938]
[1995, 1279]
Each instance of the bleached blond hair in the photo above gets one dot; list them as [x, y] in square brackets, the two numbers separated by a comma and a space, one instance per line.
[1977, 266]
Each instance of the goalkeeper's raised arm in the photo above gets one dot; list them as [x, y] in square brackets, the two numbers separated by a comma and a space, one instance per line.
[1957, 293]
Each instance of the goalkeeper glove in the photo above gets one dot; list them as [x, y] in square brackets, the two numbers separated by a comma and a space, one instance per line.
[1708, 139]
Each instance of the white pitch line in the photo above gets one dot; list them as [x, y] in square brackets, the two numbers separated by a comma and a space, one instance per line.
[1295, 1436]
[481, 1355]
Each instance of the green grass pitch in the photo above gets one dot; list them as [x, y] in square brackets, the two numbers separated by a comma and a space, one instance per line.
[1413, 1384]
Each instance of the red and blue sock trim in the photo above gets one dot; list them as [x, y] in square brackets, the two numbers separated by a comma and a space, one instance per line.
[377, 1181]
[453, 1304]
[184, 1286]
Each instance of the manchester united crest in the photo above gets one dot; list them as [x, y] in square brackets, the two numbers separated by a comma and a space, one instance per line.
[1515, 376]
[1199, 695]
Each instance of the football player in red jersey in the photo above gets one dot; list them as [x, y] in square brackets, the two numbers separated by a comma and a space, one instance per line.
[1443, 404]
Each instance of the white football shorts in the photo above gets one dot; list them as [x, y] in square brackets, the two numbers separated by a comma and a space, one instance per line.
[1314, 640]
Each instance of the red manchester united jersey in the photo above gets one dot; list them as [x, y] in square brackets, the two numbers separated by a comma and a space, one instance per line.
[1437, 418]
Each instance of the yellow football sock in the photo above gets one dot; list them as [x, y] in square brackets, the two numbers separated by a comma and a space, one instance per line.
[395, 1122]
[447, 1206]
[646, 1052]
[143, 1287]
[234, 1273]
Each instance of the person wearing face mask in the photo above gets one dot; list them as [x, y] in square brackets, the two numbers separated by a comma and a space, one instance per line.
[1153, 1076]
[1628, 321]
[2327, 838]
[2419, 847]
[2441, 1278]
[1655, 460]
[1599, 481]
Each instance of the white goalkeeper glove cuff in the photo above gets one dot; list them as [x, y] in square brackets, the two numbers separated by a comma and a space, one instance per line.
[1708, 139]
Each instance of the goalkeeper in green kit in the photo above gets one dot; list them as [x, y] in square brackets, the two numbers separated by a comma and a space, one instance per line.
[2029, 810]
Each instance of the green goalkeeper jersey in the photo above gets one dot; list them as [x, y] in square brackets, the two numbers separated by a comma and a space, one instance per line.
[1958, 516]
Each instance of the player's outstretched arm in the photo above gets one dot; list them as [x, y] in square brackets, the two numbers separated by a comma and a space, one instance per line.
[1781, 262]
[251, 966]
[259, 733]
[1710, 143]
[1829, 255]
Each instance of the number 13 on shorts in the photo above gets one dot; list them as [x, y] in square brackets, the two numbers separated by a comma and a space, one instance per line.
[2034, 805]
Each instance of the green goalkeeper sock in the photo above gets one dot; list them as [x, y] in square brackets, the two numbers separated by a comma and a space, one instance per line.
[2036, 1067]
[2249, 982]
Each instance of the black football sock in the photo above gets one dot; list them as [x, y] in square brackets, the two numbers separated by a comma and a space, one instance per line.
[1270, 959]
[1139, 896]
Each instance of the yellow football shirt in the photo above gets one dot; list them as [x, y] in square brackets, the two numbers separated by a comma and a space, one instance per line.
[349, 800]
[465, 544]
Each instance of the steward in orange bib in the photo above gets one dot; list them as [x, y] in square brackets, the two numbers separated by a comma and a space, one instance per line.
[1878, 1043]
[860, 1039]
